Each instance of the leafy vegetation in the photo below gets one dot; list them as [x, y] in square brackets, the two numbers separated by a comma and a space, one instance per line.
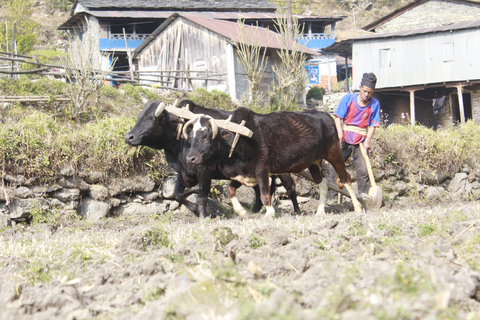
[18, 13]
[420, 149]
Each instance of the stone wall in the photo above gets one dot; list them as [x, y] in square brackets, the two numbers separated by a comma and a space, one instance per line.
[429, 14]
[82, 194]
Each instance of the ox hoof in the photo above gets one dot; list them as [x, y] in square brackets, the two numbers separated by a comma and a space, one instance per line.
[357, 207]
[270, 212]
[320, 212]
[242, 214]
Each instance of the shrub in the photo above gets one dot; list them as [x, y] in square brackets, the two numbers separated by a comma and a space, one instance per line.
[315, 93]
[211, 99]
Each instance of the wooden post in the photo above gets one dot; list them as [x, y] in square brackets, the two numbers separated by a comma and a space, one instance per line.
[13, 47]
[460, 103]
[412, 107]
[347, 87]
[6, 32]
[232, 89]
[129, 54]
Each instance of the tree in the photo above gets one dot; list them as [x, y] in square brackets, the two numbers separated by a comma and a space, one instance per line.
[18, 12]
[290, 75]
[86, 70]
[253, 59]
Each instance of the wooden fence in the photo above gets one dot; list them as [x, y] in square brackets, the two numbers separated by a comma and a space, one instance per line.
[13, 66]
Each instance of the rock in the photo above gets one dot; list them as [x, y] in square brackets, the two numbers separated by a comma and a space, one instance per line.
[41, 191]
[400, 187]
[433, 178]
[18, 180]
[23, 193]
[173, 205]
[168, 187]
[114, 202]
[5, 194]
[98, 192]
[73, 183]
[150, 196]
[434, 193]
[55, 203]
[92, 177]
[4, 220]
[153, 208]
[67, 171]
[134, 184]
[92, 209]
[458, 183]
[246, 195]
[66, 195]
[22, 208]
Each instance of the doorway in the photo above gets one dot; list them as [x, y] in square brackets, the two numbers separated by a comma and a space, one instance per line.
[467, 107]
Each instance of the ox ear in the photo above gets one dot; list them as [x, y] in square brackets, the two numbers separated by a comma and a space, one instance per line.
[226, 135]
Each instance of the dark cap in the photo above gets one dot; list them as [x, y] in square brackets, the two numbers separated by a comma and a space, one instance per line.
[369, 80]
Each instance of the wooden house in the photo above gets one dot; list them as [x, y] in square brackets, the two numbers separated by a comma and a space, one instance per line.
[425, 56]
[204, 49]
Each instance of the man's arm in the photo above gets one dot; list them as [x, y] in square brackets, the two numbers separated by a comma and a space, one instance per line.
[338, 124]
[368, 139]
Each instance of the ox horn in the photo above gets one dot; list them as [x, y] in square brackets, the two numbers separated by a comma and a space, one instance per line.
[176, 103]
[214, 128]
[185, 127]
[160, 109]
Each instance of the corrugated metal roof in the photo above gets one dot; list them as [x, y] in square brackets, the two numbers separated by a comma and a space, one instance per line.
[229, 30]
[203, 14]
[407, 33]
[180, 4]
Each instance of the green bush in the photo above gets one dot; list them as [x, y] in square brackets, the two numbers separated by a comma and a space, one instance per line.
[315, 93]
[28, 87]
[420, 149]
[36, 144]
[211, 99]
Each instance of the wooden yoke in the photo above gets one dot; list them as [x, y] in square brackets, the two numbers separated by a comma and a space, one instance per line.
[238, 129]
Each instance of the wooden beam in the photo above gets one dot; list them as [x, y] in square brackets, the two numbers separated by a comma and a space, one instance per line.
[412, 107]
[460, 103]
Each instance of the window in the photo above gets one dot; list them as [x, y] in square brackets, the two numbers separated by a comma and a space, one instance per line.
[448, 51]
[385, 58]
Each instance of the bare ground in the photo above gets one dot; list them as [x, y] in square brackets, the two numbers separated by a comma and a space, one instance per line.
[410, 263]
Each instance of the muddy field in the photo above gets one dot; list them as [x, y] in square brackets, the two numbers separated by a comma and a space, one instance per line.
[420, 262]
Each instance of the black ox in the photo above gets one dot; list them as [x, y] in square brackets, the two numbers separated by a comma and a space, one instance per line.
[157, 129]
[282, 142]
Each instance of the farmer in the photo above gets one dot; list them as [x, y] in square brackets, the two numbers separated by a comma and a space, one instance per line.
[360, 113]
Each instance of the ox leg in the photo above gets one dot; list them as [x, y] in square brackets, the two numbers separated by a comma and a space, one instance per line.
[289, 185]
[335, 157]
[264, 185]
[232, 195]
[323, 189]
[204, 183]
[180, 197]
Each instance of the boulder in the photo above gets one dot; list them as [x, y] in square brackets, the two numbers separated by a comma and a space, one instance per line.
[458, 183]
[154, 208]
[168, 187]
[433, 178]
[98, 192]
[93, 210]
[73, 183]
[133, 184]
[22, 208]
[66, 195]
